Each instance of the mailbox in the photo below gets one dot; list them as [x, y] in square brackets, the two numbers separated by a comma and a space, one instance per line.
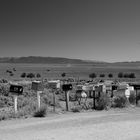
[136, 87]
[86, 88]
[16, 89]
[67, 87]
[54, 84]
[79, 87]
[98, 88]
[108, 87]
[114, 87]
[37, 86]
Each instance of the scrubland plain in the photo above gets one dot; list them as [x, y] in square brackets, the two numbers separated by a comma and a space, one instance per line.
[54, 71]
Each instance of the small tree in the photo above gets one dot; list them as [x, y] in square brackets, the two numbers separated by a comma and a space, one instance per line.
[23, 75]
[38, 75]
[11, 74]
[120, 75]
[63, 74]
[132, 75]
[126, 75]
[30, 75]
[14, 69]
[102, 75]
[110, 75]
[92, 75]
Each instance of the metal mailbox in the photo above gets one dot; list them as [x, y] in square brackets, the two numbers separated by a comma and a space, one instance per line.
[37, 86]
[17, 89]
[54, 84]
[136, 87]
[98, 88]
[67, 87]
[114, 87]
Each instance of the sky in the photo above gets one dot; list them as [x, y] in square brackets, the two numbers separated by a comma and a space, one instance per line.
[102, 30]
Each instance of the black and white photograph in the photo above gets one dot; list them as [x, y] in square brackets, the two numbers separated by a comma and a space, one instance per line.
[69, 69]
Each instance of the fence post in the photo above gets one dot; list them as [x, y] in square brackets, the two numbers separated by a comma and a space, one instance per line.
[136, 98]
[38, 99]
[53, 101]
[67, 100]
[15, 103]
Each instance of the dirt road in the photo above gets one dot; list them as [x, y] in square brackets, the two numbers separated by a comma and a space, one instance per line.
[104, 125]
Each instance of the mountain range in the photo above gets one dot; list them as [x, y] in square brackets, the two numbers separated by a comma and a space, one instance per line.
[61, 60]
[45, 60]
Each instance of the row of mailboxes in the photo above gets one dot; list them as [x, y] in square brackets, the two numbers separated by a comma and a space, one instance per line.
[57, 85]
[18, 89]
[37, 86]
[97, 88]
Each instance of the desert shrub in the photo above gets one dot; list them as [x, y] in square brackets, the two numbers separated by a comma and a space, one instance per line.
[72, 96]
[132, 98]
[92, 75]
[132, 75]
[23, 75]
[48, 98]
[76, 109]
[11, 74]
[9, 71]
[119, 101]
[104, 102]
[4, 90]
[102, 75]
[40, 112]
[89, 104]
[5, 101]
[30, 75]
[28, 92]
[14, 69]
[5, 116]
[126, 75]
[24, 101]
[62, 96]
[63, 74]
[38, 75]
[8, 114]
[120, 75]
[3, 81]
[110, 75]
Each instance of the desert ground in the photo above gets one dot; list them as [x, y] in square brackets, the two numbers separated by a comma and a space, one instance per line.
[119, 124]
[54, 71]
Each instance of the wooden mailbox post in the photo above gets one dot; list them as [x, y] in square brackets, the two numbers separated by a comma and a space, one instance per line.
[66, 88]
[16, 90]
[37, 87]
[54, 85]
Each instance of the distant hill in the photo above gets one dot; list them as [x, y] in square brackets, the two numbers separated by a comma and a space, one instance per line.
[45, 60]
[60, 60]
